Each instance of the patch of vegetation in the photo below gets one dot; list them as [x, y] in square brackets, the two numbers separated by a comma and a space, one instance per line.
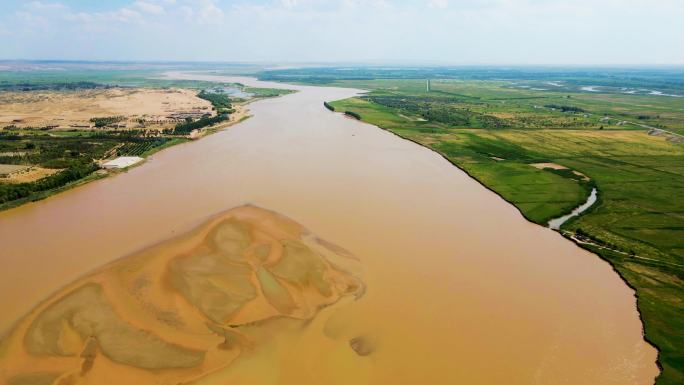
[220, 102]
[107, 120]
[206, 121]
[74, 153]
[32, 86]
[353, 114]
[10, 192]
[141, 146]
[266, 92]
[565, 108]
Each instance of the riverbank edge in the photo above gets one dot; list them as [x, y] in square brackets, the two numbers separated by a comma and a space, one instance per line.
[593, 207]
[97, 176]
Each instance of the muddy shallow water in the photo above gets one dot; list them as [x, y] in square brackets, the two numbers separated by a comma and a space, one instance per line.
[459, 288]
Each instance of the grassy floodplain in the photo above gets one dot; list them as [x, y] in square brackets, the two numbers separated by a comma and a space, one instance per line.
[495, 131]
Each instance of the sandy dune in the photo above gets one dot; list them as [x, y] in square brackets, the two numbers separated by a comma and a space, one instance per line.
[46, 108]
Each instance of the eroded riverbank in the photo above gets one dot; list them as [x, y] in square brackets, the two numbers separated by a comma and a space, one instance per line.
[444, 302]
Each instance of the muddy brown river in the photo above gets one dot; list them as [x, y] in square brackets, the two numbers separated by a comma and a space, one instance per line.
[433, 280]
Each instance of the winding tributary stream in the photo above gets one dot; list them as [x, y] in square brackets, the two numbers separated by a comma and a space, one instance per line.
[556, 223]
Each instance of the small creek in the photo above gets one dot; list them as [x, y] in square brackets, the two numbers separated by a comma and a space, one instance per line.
[556, 223]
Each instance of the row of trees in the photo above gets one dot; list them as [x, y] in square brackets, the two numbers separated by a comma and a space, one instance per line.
[353, 114]
[10, 192]
[106, 120]
[186, 127]
[565, 108]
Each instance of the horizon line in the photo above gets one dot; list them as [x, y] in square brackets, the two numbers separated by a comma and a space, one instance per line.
[369, 63]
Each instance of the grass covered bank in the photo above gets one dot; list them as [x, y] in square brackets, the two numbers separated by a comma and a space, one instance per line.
[638, 224]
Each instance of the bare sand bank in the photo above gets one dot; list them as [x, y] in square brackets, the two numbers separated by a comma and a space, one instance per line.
[76, 108]
[185, 308]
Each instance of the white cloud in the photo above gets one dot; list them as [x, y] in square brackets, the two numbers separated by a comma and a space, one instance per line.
[124, 14]
[149, 7]
[186, 11]
[439, 4]
[289, 3]
[367, 3]
[450, 31]
[209, 12]
[43, 7]
[201, 11]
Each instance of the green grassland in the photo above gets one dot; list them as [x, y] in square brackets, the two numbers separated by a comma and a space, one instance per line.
[495, 132]
[482, 103]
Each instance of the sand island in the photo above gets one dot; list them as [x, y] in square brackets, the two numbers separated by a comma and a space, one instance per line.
[184, 308]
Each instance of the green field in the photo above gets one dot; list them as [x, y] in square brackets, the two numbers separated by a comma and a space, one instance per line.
[495, 132]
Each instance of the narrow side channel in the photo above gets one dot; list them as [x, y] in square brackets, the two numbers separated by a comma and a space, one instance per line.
[556, 223]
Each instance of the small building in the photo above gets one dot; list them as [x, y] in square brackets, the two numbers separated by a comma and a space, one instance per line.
[122, 162]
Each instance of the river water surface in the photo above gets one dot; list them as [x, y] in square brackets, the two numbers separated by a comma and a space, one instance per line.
[460, 289]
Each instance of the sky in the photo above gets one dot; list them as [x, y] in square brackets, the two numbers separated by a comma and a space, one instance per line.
[441, 32]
